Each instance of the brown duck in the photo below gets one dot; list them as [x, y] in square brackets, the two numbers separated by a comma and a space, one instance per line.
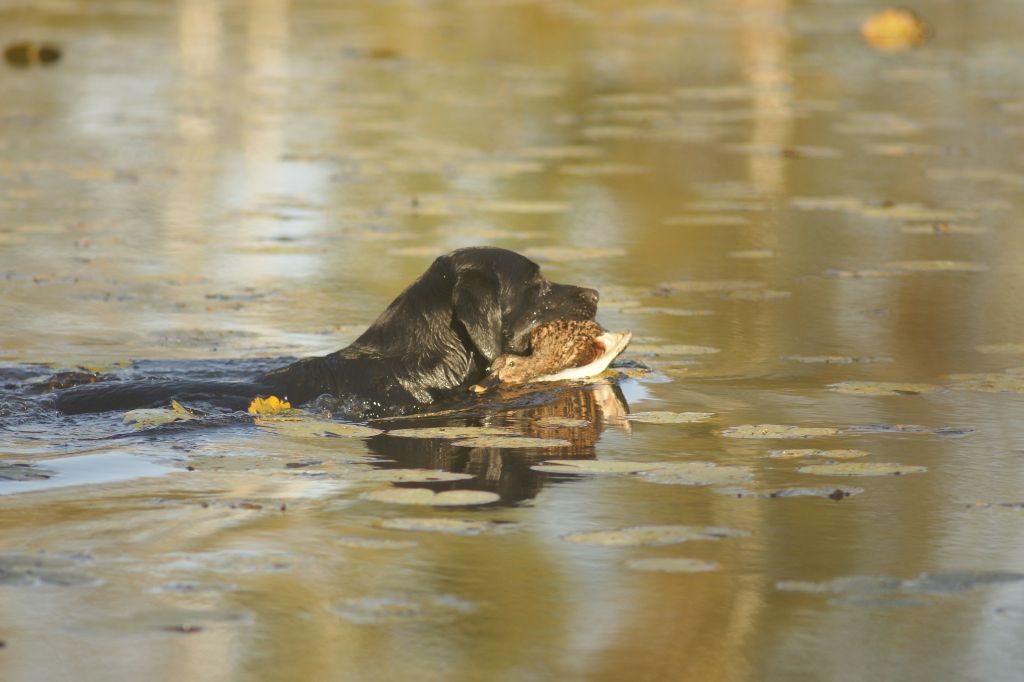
[563, 349]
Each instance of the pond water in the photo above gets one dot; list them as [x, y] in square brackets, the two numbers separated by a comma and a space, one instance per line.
[814, 243]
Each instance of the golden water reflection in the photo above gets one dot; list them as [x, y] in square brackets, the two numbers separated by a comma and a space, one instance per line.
[213, 180]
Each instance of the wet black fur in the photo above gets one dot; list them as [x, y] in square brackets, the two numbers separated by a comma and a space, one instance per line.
[434, 340]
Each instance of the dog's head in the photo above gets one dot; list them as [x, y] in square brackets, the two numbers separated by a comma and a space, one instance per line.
[499, 296]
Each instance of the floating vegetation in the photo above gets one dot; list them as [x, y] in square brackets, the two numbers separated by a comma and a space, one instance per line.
[935, 266]
[943, 431]
[1001, 349]
[835, 273]
[603, 169]
[836, 493]
[409, 475]
[522, 207]
[651, 536]
[752, 254]
[594, 466]
[861, 469]
[1009, 381]
[836, 359]
[883, 388]
[443, 524]
[427, 497]
[356, 542]
[658, 417]
[451, 432]
[437, 608]
[697, 474]
[511, 442]
[160, 415]
[42, 570]
[892, 30]
[781, 431]
[672, 565]
[313, 428]
[802, 453]
[926, 583]
[561, 423]
[942, 228]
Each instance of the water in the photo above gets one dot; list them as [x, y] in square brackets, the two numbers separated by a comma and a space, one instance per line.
[207, 187]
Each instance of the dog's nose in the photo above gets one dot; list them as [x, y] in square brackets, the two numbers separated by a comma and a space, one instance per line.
[590, 296]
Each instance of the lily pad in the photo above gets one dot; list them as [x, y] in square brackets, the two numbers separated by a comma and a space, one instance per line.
[314, 428]
[781, 431]
[409, 475]
[511, 442]
[594, 466]
[651, 536]
[443, 524]
[561, 423]
[356, 542]
[697, 474]
[660, 417]
[831, 492]
[1002, 348]
[799, 453]
[440, 608]
[452, 432]
[427, 497]
[672, 565]
[882, 388]
[861, 469]
[935, 266]
[161, 415]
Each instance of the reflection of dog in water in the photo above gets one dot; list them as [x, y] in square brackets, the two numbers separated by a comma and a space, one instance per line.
[507, 471]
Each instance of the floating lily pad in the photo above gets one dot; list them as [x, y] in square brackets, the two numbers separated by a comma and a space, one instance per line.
[427, 497]
[831, 492]
[672, 565]
[883, 388]
[697, 474]
[451, 432]
[439, 608]
[161, 415]
[651, 536]
[442, 524]
[409, 475]
[935, 266]
[659, 417]
[1002, 348]
[1009, 381]
[836, 359]
[594, 466]
[314, 428]
[511, 442]
[861, 469]
[799, 453]
[356, 542]
[927, 583]
[561, 423]
[781, 431]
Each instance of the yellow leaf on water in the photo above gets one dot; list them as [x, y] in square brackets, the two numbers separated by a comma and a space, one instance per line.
[268, 406]
[894, 29]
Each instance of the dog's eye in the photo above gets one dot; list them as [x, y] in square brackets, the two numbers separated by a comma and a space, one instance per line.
[510, 363]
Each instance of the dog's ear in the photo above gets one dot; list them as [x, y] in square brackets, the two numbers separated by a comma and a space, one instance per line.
[477, 307]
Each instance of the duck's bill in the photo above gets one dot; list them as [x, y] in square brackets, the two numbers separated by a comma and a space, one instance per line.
[613, 344]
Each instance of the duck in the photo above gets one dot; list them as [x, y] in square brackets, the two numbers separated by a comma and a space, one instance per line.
[560, 350]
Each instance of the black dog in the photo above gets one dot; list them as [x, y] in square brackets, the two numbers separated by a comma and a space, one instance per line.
[436, 339]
